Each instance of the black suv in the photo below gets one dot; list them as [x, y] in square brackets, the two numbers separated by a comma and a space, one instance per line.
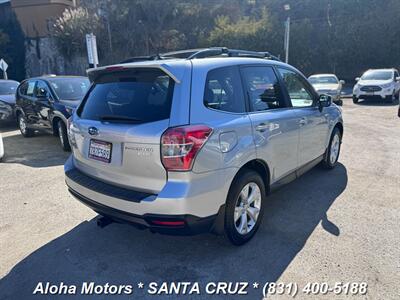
[45, 103]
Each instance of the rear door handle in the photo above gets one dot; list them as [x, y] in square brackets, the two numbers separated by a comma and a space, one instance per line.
[262, 127]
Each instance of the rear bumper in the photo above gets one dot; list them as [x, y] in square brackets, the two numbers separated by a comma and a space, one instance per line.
[178, 224]
[180, 208]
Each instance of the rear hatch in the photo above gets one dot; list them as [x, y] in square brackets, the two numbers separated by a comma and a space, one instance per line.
[116, 131]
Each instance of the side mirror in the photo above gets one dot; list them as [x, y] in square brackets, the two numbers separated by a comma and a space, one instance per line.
[42, 94]
[324, 101]
[342, 82]
[397, 79]
[357, 78]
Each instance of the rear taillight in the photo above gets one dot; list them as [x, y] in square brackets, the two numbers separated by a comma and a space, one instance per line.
[180, 145]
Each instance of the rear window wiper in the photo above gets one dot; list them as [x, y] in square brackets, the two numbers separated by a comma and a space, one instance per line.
[117, 118]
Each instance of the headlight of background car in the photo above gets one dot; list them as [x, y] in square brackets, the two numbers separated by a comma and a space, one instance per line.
[387, 85]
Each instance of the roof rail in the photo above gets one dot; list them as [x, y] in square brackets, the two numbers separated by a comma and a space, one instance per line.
[204, 53]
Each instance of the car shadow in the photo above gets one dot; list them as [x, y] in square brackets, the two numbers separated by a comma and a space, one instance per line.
[121, 254]
[40, 151]
[376, 102]
[8, 126]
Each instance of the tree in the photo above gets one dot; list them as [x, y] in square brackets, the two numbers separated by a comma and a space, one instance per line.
[70, 29]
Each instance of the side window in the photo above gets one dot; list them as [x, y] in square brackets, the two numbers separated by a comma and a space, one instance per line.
[41, 89]
[31, 88]
[223, 90]
[299, 94]
[262, 88]
[396, 74]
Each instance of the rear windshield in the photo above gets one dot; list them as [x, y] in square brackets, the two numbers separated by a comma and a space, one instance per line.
[140, 95]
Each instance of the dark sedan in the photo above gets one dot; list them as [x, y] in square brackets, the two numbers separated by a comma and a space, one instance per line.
[46, 103]
[7, 99]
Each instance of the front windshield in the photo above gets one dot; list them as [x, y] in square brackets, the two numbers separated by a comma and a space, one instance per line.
[323, 80]
[378, 75]
[8, 87]
[70, 88]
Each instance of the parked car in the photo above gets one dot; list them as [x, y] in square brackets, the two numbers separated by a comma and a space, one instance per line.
[328, 84]
[1, 148]
[383, 84]
[186, 145]
[7, 99]
[46, 103]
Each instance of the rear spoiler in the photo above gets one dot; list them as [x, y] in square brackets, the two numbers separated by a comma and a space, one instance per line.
[94, 73]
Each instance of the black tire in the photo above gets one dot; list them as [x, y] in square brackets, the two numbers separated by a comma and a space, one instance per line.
[25, 131]
[243, 179]
[355, 100]
[327, 162]
[63, 136]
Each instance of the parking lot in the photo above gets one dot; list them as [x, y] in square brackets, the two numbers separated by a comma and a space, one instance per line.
[334, 226]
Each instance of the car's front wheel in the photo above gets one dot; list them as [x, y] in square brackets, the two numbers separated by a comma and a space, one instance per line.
[355, 99]
[332, 153]
[63, 135]
[23, 127]
[244, 207]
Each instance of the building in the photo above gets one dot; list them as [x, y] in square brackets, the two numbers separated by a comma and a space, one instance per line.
[33, 15]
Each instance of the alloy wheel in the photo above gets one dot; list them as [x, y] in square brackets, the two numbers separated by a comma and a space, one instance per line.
[22, 125]
[335, 145]
[247, 208]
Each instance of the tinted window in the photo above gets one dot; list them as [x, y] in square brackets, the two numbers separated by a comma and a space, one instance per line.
[70, 88]
[263, 88]
[144, 95]
[8, 87]
[223, 90]
[41, 89]
[377, 75]
[300, 95]
[31, 88]
[323, 80]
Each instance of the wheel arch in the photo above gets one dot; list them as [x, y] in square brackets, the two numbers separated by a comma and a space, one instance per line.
[257, 165]
[261, 167]
[339, 125]
[54, 121]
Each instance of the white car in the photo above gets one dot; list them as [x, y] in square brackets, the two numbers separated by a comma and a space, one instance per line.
[383, 84]
[1, 148]
[327, 84]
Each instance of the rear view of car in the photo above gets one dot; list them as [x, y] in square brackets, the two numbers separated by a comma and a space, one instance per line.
[7, 99]
[45, 103]
[131, 147]
[328, 84]
[193, 145]
[380, 84]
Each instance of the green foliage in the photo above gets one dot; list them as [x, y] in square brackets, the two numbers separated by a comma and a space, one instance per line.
[70, 29]
[341, 36]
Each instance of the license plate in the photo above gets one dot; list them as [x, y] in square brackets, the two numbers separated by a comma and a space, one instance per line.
[100, 151]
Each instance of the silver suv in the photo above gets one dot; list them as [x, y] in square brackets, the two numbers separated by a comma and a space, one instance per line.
[194, 141]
